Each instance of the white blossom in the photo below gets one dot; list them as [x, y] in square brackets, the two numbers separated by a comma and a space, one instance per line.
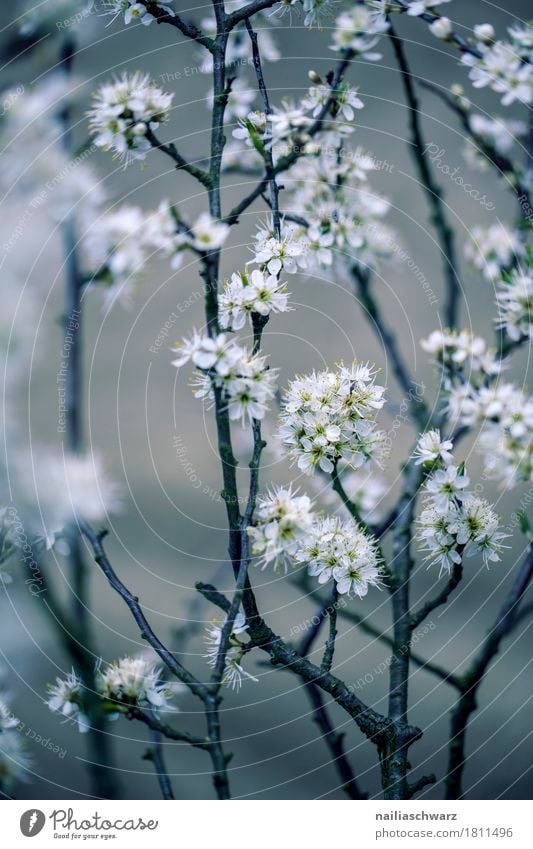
[288, 253]
[441, 27]
[243, 378]
[431, 448]
[283, 519]
[505, 66]
[245, 294]
[454, 521]
[60, 490]
[329, 416]
[515, 305]
[233, 669]
[500, 133]
[135, 682]
[344, 98]
[136, 12]
[66, 698]
[463, 357]
[493, 249]
[359, 30]
[208, 234]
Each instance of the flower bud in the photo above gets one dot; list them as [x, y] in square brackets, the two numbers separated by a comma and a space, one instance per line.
[441, 28]
[484, 32]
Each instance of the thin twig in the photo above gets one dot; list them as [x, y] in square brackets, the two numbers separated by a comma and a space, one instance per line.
[386, 336]
[267, 154]
[181, 163]
[418, 616]
[431, 188]
[327, 660]
[95, 540]
[156, 755]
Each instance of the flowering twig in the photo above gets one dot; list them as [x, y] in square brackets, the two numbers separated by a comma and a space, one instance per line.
[290, 158]
[269, 161]
[454, 38]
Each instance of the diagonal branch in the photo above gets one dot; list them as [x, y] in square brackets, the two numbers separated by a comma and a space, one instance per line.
[431, 188]
[181, 163]
[190, 30]
[467, 703]
[418, 616]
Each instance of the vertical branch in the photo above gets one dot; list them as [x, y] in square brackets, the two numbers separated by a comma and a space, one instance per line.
[431, 188]
[394, 755]
[97, 738]
[269, 162]
[471, 681]
[156, 755]
[327, 660]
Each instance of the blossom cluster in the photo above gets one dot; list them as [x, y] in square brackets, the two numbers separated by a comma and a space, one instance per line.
[453, 520]
[505, 414]
[131, 682]
[358, 30]
[287, 533]
[136, 682]
[117, 245]
[124, 112]
[245, 382]
[286, 253]
[505, 66]
[283, 519]
[330, 416]
[340, 550]
[465, 359]
[236, 649]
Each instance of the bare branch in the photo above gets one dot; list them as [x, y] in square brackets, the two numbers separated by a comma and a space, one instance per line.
[431, 188]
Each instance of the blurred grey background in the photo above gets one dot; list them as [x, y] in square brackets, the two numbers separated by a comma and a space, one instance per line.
[173, 532]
